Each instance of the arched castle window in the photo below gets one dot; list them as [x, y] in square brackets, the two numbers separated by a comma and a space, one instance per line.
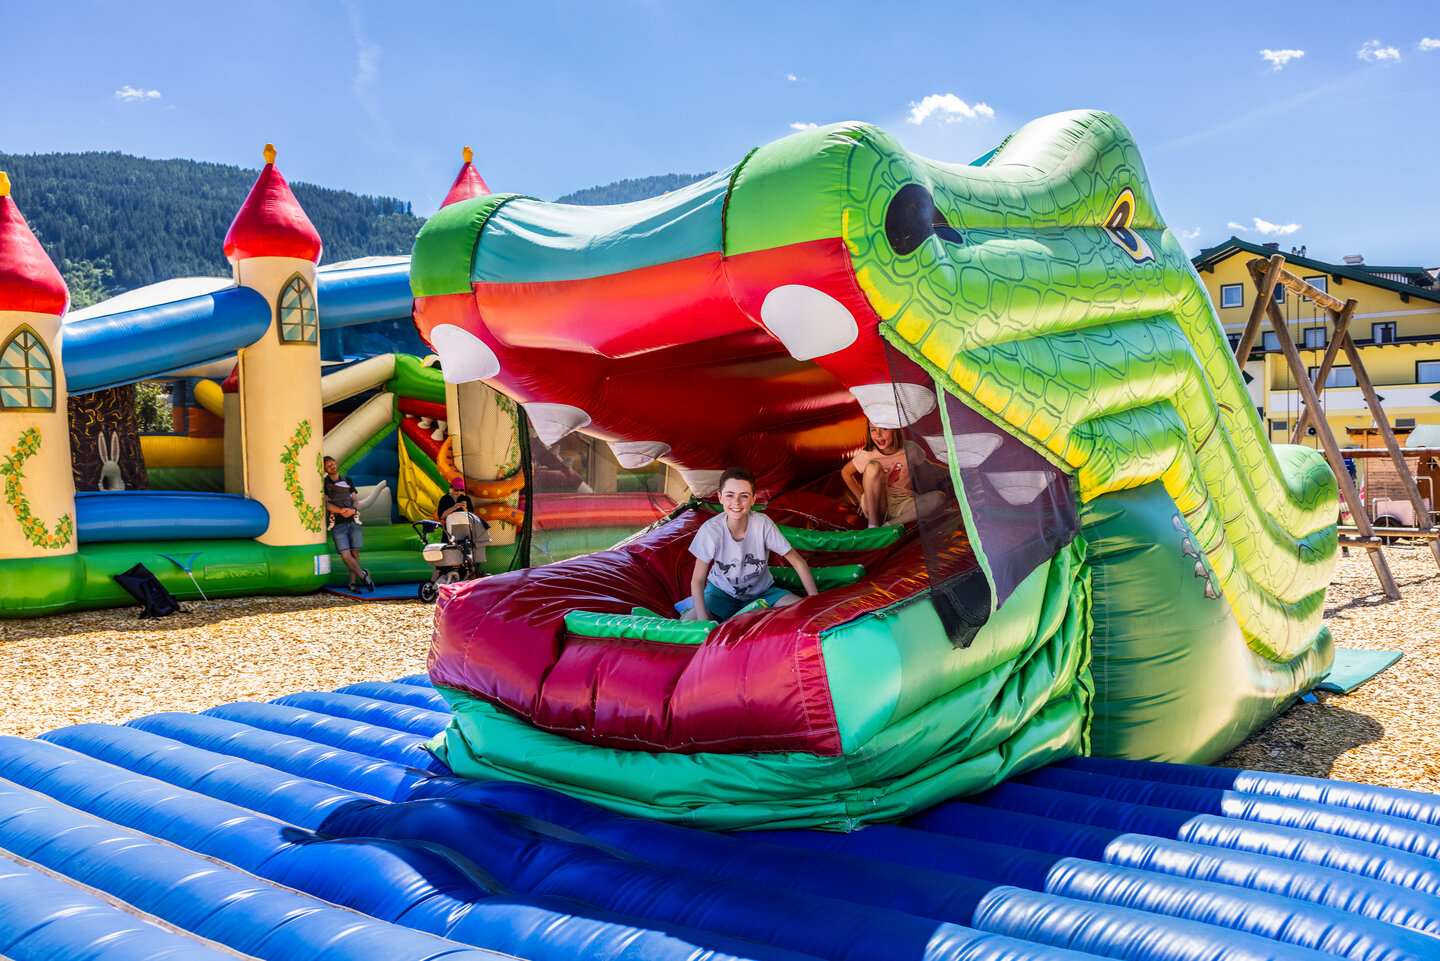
[27, 374]
[299, 322]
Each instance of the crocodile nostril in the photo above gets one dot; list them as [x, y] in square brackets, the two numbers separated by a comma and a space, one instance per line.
[912, 217]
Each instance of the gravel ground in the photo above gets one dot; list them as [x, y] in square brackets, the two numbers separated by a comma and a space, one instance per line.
[1383, 732]
[109, 666]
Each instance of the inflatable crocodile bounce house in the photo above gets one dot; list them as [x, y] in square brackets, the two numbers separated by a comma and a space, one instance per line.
[1124, 567]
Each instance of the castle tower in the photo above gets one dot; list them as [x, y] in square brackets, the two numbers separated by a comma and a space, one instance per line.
[274, 248]
[480, 420]
[37, 518]
[468, 182]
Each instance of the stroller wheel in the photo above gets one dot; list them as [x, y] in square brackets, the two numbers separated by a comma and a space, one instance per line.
[427, 592]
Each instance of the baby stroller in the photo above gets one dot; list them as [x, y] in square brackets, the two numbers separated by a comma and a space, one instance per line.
[457, 556]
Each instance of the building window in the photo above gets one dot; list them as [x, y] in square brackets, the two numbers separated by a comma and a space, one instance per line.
[1234, 340]
[1232, 295]
[1427, 372]
[1319, 282]
[1270, 340]
[1280, 425]
[298, 322]
[1383, 333]
[1338, 376]
[1279, 293]
[1314, 338]
[27, 375]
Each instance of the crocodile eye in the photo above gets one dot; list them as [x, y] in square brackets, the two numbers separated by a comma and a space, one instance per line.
[911, 217]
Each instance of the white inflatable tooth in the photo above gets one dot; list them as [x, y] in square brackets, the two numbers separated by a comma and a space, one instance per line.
[634, 454]
[702, 483]
[1019, 486]
[972, 449]
[439, 432]
[938, 449]
[463, 356]
[894, 405]
[425, 423]
[554, 421]
[808, 322]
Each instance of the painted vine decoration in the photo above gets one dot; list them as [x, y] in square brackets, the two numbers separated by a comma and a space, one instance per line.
[310, 516]
[36, 532]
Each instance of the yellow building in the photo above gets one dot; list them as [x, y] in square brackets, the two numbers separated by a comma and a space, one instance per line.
[1396, 327]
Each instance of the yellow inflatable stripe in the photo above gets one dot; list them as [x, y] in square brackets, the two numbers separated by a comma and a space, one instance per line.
[169, 451]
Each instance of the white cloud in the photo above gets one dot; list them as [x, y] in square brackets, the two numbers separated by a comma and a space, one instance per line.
[1279, 58]
[1375, 51]
[791, 77]
[1266, 227]
[950, 108]
[1189, 234]
[1429, 43]
[802, 126]
[130, 94]
[367, 72]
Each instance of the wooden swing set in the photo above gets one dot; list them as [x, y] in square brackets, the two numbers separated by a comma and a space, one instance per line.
[1266, 275]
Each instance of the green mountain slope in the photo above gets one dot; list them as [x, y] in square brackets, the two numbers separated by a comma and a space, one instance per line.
[113, 222]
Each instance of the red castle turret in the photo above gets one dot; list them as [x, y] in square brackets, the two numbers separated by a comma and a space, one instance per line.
[468, 183]
[271, 222]
[28, 279]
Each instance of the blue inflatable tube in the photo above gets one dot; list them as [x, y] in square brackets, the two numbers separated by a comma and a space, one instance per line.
[1398, 904]
[46, 918]
[426, 697]
[319, 762]
[1394, 802]
[401, 717]
[200, 895]
[377, 742]
[362, 295]
[1361, 857]
[1124, 933]
[1407, 834]
[166, 516]
[136, 344]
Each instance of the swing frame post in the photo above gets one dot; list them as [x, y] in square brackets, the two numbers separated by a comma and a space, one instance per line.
[1273, 272]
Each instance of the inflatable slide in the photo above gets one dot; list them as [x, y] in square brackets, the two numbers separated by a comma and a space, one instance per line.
[1124, 567]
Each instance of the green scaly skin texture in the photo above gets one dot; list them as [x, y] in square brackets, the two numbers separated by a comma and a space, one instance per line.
[1113, 363]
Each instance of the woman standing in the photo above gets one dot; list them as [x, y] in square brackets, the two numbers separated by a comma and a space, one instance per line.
[345, 523]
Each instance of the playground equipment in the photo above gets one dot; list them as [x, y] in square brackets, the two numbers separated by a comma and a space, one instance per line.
[243, 357]
[1127, 569]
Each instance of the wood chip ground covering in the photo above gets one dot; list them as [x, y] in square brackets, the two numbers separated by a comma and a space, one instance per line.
[109, 666]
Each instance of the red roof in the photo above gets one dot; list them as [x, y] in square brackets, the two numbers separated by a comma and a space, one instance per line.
[468, 183]
[28, 278]
[271, 223]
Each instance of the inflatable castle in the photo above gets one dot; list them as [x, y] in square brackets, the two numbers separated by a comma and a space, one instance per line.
[229, 503]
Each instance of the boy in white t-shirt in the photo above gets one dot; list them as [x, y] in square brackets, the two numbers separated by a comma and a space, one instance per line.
[732, 551]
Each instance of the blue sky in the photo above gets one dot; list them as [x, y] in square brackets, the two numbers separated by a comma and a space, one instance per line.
[1304, 125]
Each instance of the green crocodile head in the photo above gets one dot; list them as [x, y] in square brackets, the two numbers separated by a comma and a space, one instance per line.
[1042, 288]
